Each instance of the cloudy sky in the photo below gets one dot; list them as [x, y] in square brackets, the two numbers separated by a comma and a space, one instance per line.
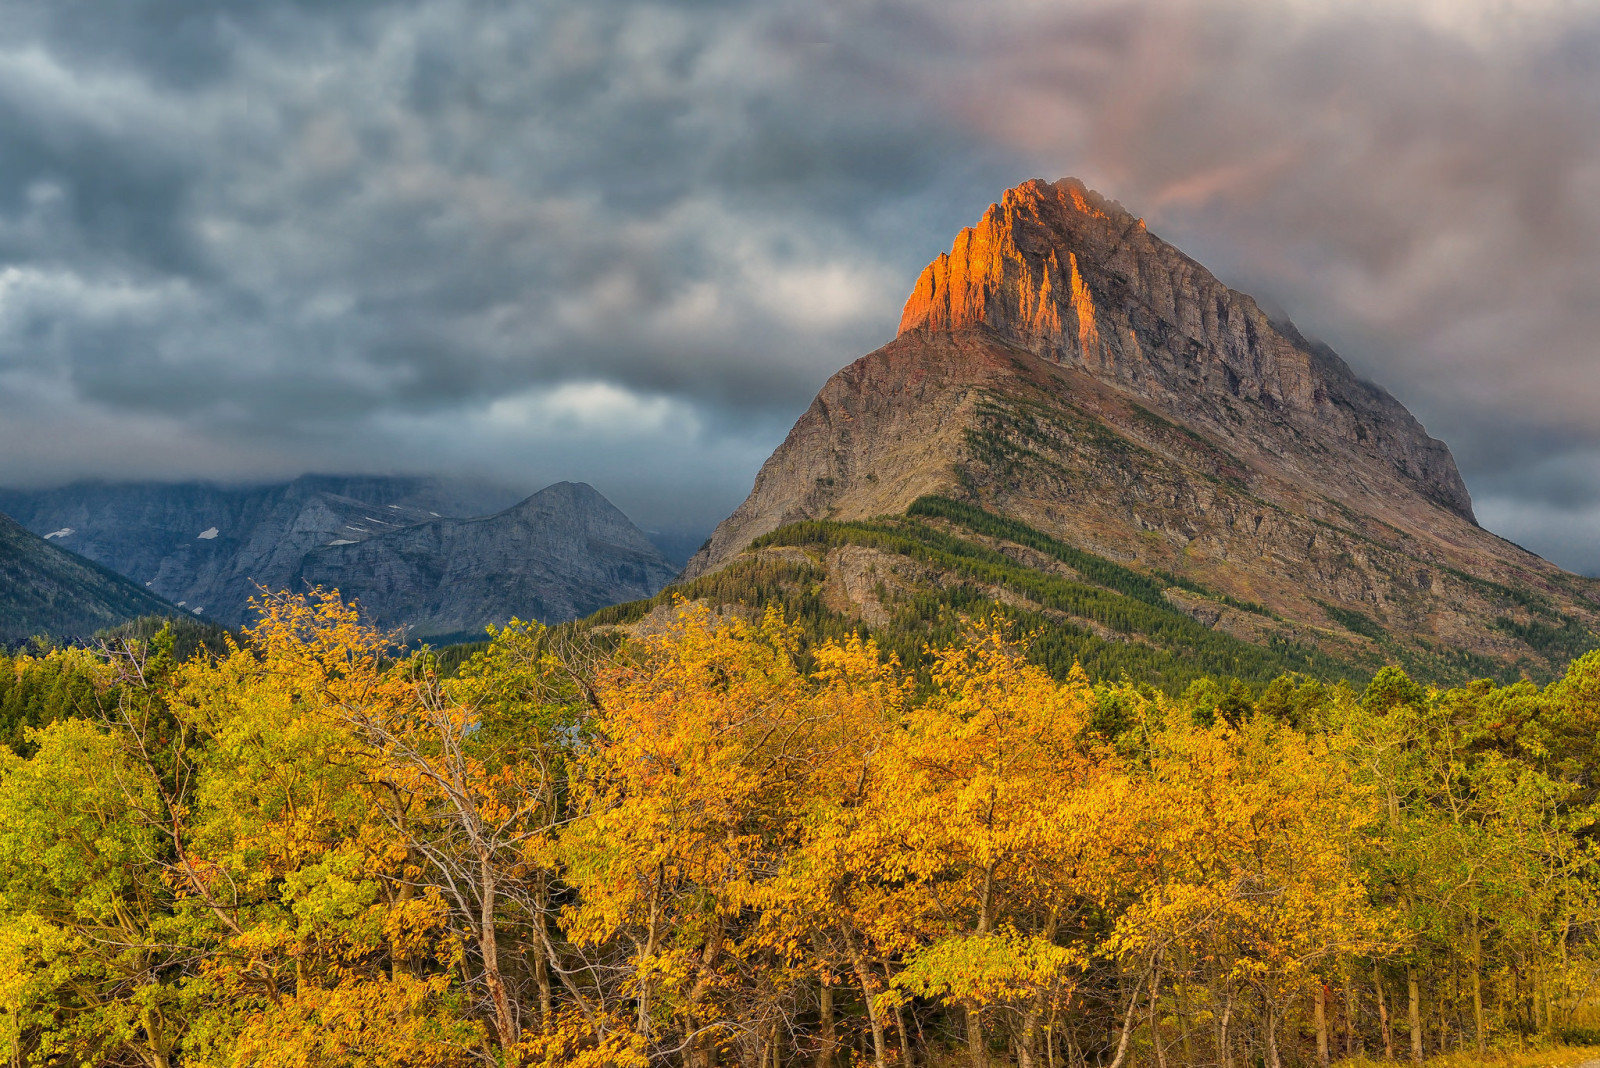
[626, 242]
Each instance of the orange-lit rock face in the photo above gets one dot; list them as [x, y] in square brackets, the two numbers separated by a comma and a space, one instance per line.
[1071, 277]
[1083, 304]
[1015, 273]
[1062, 272]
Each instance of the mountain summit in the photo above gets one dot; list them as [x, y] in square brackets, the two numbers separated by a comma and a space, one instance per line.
[1071, 277]
[1063, 368]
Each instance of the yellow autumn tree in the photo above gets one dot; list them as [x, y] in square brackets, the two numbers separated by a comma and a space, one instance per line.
[986, 832]
[1253, 880]
[695, 760]
[330, 952]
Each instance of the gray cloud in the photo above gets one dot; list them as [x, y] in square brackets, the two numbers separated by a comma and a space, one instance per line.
[626, 242]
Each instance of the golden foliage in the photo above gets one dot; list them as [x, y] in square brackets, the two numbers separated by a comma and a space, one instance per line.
[311, 850]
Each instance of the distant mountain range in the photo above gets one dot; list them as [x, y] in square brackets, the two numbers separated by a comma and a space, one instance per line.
[441, 558]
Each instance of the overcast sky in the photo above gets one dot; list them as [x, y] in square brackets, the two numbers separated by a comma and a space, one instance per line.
[625, 243]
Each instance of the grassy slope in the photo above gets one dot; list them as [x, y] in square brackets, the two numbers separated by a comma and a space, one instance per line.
[1035, 441]
[1152, 640]
[1109, 618]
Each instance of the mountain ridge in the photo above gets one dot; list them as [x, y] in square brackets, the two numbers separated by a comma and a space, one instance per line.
[561, 553]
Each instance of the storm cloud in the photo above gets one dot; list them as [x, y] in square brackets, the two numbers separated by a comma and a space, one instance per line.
[626, 242]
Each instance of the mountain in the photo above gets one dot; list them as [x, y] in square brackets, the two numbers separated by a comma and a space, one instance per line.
[1075, 396]
[207, 547]
[564, 552]
[45, 590]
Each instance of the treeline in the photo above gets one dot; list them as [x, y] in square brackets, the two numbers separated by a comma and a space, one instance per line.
[703, 847]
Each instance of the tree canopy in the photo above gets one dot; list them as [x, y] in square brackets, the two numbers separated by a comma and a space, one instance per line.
[698, 845]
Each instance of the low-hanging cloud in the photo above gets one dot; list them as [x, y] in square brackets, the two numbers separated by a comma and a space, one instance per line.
[626, 242]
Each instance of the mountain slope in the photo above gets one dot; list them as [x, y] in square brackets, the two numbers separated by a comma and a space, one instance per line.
[46, 590]
[1064, 368]
[564, 552]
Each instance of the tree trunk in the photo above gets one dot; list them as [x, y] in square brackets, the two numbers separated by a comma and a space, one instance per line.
[541, 966]
[829, 1039]
[1320, 1015]
[1444, 1016]
[1477, 986]
[905, 1036]
[695, 1054]
[1127, 1024]
[505, 1024]
[1224, 1046]
[1535, 981]
[646, 950]
[1352, 1037]
[977, 1052]
[160, 1051]
[1414, 1013]
[1155, 1020]
[865, 977]
[703, 1050]
[1272, 1036]
[1383, 1015]
[1181, 1008]
[1441, 1002]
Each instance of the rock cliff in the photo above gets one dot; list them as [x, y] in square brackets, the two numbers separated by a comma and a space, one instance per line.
[1065, 367]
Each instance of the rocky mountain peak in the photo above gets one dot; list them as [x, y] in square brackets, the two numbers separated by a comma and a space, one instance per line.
[1017, 270]
[1070, 395]
[1070, 276]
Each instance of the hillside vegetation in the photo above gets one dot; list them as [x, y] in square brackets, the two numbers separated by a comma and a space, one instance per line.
[945, 559]
[720, 841]
[49, 592]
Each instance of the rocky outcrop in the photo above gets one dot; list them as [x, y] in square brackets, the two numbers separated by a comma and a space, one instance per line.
[209, 548]
[884, 431]
[45, 590]
[1063, 366]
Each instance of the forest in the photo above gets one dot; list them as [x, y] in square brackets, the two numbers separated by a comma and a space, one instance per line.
[718, 842]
